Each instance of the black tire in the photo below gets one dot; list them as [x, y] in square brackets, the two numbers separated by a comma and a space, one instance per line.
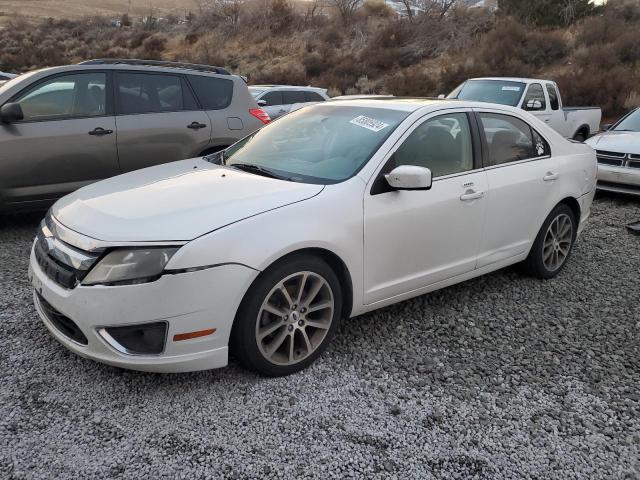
[580, 136]
[534, 264]
[244, 343]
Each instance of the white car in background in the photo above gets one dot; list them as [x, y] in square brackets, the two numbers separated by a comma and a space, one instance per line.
[278, 100]
[618, 152]
[539, 97]
[6, 76]
[335, 210]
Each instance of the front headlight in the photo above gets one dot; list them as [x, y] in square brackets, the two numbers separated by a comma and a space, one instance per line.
[130, 266]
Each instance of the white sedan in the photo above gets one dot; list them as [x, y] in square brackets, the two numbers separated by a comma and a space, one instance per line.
[330, 212]
[618, 152]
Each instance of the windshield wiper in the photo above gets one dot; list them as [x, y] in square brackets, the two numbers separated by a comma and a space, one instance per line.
[258, 170]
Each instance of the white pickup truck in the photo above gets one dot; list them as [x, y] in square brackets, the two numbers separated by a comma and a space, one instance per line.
[540, 97]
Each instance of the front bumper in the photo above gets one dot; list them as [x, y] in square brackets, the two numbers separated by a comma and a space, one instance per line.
[188, 302]
[619, 179]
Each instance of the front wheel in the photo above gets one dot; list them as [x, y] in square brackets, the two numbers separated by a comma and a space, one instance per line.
[553, 245]
[287, 317]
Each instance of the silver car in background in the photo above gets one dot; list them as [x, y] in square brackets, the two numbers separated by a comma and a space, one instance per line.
[278, 100]
[618, 152]
[64, 127]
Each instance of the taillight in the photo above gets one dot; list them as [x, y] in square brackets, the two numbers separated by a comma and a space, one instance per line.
[260, 114]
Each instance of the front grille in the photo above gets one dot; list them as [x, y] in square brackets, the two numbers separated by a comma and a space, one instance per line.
[603, 153]
[635, 164]
[609, 161]
[64, 275]
[634, 156]
[63, 324]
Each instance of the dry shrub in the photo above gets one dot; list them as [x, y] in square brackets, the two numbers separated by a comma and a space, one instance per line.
[413, 81]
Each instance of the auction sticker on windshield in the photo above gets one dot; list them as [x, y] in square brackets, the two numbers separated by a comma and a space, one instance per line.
[369, 123]
[510, 89]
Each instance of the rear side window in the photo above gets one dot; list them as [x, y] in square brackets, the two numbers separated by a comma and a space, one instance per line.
[313, 97]
[553, 96]
[66, 96]
[214, 93]
[293, 96]
[534, 100]
[146, 93]
[510, 139]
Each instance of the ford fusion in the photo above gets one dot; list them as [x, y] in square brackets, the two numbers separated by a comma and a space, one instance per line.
[330, 212]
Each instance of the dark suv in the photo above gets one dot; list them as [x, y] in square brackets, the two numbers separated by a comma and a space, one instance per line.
[64, 127]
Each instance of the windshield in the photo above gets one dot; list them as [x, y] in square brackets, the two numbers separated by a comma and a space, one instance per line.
[255, 91]
[321, 144]
[630, 123]
[492, 91]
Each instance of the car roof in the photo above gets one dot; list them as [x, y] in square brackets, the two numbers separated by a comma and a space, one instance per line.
[412, 104]
[514, 79]
[265, 87]
[132, 67]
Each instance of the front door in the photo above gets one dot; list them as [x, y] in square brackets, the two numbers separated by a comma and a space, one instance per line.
[414, 239]
[66, 140]
[158, 120]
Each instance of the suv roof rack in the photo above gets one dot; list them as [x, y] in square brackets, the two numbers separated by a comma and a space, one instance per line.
[156, 63]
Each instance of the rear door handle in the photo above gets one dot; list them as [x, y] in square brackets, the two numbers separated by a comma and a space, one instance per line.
[196, 126]
[470, 195]
[550, 177]
[99, 131]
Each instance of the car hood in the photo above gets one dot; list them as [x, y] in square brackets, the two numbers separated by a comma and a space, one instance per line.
[176, 201]
[620, 142]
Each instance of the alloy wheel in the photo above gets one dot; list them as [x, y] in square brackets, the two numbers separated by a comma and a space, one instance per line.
[557, 242]
[294, 318]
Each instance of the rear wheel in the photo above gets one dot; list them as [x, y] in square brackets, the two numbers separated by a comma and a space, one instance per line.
[287, 317]
[553, 245]
[580, 136]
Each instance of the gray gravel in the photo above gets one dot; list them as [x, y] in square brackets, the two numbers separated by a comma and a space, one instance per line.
[500, 377]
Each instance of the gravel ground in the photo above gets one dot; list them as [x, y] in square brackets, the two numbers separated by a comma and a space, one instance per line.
[499, 377]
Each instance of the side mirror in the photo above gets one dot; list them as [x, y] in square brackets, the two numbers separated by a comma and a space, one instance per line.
[11, 112]
[262, 103]
[606, 126]
[409, 177]
[533, 105]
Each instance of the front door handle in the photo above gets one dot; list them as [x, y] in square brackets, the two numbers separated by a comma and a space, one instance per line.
[550, 177]
[196, 125]
[99, 131]
[470, 195]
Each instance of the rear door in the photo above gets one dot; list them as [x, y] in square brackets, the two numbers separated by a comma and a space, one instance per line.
[158, 120]
[66, 140]
[522, 177]
[556, 119]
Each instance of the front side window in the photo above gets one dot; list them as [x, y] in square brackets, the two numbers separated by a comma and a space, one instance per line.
[272, 98]
[509, 139]
[321, 144]
[213, 93]
[66, 96]
[534, 100]
[441, 144]
[492, 91]
[146, 93]
[554, 102]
